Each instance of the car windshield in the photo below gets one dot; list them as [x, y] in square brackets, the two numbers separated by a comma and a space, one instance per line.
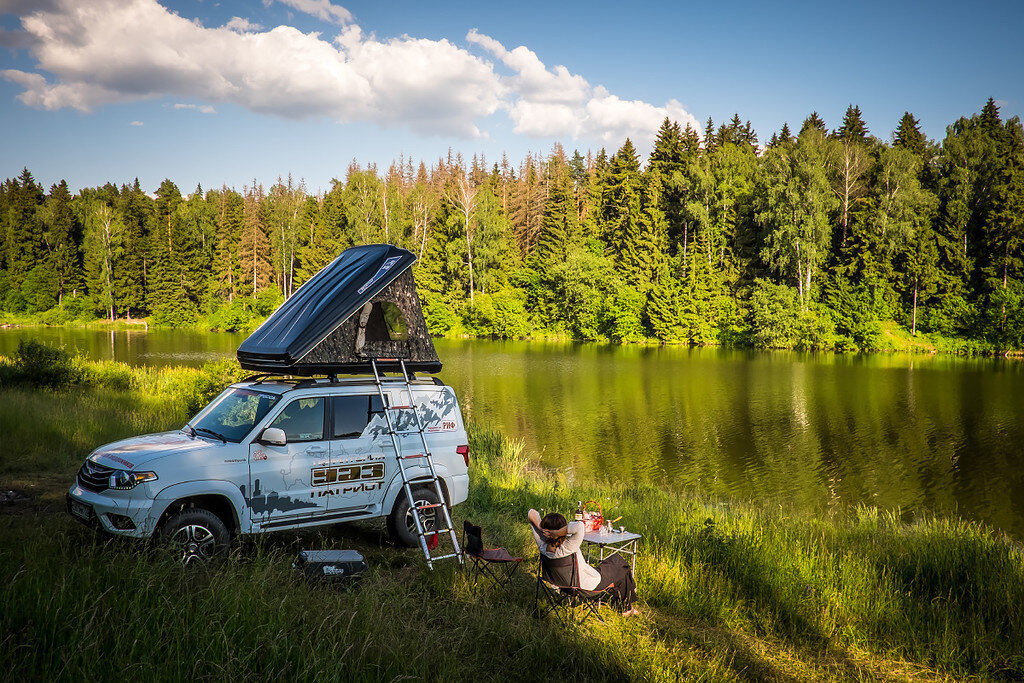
[233, 414]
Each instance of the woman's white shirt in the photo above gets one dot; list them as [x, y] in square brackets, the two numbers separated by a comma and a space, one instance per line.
[590, 578]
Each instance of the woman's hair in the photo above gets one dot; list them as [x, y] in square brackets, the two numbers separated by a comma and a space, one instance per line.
[553, 521]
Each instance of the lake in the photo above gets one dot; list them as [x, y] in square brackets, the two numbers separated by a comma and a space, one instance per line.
[817, 431]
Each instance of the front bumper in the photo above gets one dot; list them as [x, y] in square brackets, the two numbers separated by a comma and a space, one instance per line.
[128, 516]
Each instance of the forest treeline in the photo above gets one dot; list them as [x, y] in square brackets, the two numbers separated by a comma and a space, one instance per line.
[817, 239]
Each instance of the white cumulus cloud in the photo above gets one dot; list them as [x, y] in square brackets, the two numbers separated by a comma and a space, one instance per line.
[100, 52]
[321, 9]
[242, 25]
[92, 53]
[552, 102]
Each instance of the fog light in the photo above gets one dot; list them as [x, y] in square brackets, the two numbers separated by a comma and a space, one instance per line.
[120, 522]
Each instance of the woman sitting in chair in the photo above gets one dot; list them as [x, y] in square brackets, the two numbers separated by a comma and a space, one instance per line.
[555, 538]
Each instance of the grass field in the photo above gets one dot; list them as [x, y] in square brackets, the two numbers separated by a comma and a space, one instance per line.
[729, 590]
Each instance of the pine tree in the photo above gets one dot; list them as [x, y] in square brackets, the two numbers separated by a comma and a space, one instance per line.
[813, 122]
[25, 244]
[559, 222]
[664, 303]
[696, 315]
[710, 141]
[908, 135]
[853, 128]
[63, 235]
[226, 271]
[1004, 234]
[785, 137]
[254, 245]
[621, 210]
[131, 270]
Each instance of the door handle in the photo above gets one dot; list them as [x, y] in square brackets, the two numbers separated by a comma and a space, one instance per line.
[316, 450]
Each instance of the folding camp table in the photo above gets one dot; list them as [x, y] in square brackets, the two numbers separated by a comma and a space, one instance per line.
[611, 543]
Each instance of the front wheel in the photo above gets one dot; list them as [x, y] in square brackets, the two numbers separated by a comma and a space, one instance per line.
[195, 536]
[402, 526]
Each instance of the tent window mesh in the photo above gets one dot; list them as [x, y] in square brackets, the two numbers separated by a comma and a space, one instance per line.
[386, 323]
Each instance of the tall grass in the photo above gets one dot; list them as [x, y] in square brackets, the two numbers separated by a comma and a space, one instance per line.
[729, 590]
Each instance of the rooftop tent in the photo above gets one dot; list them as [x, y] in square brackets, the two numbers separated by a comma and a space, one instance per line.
[361, 306]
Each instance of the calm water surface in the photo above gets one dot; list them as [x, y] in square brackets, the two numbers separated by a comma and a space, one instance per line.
[813, 430]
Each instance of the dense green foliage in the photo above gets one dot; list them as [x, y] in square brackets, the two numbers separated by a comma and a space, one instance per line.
[813, 240]
[729, 590]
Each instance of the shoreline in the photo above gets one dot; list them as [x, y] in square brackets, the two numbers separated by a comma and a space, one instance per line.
[921, 345]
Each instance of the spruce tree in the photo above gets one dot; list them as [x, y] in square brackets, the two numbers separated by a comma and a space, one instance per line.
[814, 122]
[908, 135]
[254, 246]
[710, 141]
[131, 270]
[785, 137]
[63, 236]
[559, 225]
[664, 303]
[25, 244]
[853, 128]
[622, 210]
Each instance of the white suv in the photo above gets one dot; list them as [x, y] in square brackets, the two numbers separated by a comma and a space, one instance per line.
[277, 454]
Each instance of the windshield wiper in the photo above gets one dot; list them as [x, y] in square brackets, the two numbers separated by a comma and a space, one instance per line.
[191, 430]
[204, 430]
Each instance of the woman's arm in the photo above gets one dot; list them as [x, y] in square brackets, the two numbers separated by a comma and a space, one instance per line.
[577, 530]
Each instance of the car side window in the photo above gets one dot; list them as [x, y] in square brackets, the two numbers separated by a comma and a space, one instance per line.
[302, 420]
[352, 414]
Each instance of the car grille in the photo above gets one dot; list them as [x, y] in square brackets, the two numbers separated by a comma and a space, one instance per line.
[94, 476]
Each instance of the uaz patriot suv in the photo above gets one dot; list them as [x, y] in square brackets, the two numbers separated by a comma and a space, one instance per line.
[276, 454]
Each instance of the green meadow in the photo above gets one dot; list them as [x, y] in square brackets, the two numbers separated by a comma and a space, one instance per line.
[729, 590]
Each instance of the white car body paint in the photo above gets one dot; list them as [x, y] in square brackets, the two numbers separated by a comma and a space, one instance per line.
[268, 487]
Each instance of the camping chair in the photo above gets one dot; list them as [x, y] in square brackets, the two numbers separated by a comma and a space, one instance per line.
[495, 564]
[559, 592]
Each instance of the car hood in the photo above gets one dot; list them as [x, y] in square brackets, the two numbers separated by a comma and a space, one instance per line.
[131, 453]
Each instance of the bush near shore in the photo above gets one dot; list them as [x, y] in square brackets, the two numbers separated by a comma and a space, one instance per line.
[729, 590]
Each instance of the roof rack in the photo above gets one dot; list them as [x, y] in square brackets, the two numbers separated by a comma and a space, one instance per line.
[303, 381]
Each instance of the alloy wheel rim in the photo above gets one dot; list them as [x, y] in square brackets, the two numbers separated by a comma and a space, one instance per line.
[427, 518]
[196, 542]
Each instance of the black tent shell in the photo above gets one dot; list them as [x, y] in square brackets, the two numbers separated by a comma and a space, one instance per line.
[361, 306]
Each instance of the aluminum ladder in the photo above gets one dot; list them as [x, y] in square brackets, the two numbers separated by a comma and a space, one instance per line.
[433, 483]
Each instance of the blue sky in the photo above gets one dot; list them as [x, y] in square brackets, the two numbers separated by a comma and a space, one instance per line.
[235, 92]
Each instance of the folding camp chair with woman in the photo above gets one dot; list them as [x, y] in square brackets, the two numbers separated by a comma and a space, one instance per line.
[559, 592]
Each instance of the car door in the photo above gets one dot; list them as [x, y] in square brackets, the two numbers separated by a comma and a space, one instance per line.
[360, 461]
[280, 477]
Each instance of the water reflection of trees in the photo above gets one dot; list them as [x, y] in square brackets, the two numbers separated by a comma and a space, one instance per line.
[814, 430]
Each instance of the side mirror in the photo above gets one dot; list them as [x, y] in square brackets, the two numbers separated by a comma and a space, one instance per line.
[273, 436]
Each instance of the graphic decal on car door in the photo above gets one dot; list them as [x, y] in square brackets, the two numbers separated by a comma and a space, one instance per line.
[436, 413]
[279, 475]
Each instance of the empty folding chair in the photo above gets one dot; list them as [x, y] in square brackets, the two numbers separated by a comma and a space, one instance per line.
[497, 565]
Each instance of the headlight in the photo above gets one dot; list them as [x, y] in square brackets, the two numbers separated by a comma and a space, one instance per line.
[120, 479]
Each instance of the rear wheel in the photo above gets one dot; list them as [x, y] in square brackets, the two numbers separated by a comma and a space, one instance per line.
[195, 536]
[402, 526]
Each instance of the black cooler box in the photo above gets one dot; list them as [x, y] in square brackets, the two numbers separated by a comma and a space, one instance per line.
[342, 567]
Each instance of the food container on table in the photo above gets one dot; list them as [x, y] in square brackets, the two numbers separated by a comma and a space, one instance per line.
[593, 519]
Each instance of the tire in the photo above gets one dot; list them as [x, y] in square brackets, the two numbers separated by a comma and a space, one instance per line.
[402, 527]
[195, 536]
